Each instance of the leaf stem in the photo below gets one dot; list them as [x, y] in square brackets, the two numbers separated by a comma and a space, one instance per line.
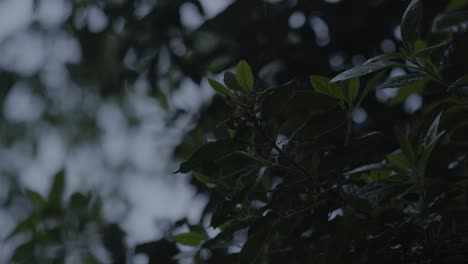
[349, 126]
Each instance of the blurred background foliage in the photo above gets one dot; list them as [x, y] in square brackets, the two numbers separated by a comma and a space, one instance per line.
[100, 99]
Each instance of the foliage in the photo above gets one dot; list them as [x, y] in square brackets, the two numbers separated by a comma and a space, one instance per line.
[55, 231]
[294, 181]
[291, 177]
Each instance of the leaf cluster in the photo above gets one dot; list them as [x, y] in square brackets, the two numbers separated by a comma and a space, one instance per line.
[302, 184]
[55, 228]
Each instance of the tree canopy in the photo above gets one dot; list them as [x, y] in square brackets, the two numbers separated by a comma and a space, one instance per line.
[337, 134]
[297, 178]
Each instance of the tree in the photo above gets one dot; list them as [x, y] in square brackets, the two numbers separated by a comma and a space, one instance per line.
[292, 180]
[291, 177]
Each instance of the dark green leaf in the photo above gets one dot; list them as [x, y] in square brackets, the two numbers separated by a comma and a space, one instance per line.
[455, 5]
[192, 238]
[250, 155]
[377, 191]
[310, 129]
[399, 161]
[411, 24]
[244, 75]
[426, 150]
[429, 50]
[370, 167]
[406, 91]
[432, 132]
[429, 141]
[352, 90]
[90, 259]
[385, 57]
[163, 101]
[419, 45]
[253, 248]
[204, 179]
[277, 99]
[230, 80]
[197, 229]
[36, 198]
[313, 128]
[225, 212]
[161, 251]
[24, 253]
[335, 91]
[371, 84]
[405, 145]
[320, 83]
[58, 188]
[375, 176]
[232, 132]
[219, 88]
[28, 224]
[208, 152]
[459, 83]
[323, 85]
[78, 201]
[363, 70]
[403, 80]
[306, 103]
[451, 22]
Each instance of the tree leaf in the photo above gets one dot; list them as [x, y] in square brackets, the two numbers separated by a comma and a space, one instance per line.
[322, 85]
[192, 238]
[426, 150]
[411, 24]
[244, 75]
[306, 102]
[204, 179]
[429, 50]
[462, 81]
[160, 251]
[419, 45]
[363, 70]
[399, 161]
[208, 152]
[58, 188]
[310, 129]
[78, 201]
[27, 224]
[219, 88]
[277, 99]
[90, 259]
[197, 228]
[455, 5]
[375, 176]
[406, 91]
[429, 141]
[352, 90]
[386, 56]
[231, 82]
[24, 253]
[36, 198]
[372, 83]
[370, 167]
[253, 248]
[405, 145]
[451, 22]
[403, 80]
[432, 132]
